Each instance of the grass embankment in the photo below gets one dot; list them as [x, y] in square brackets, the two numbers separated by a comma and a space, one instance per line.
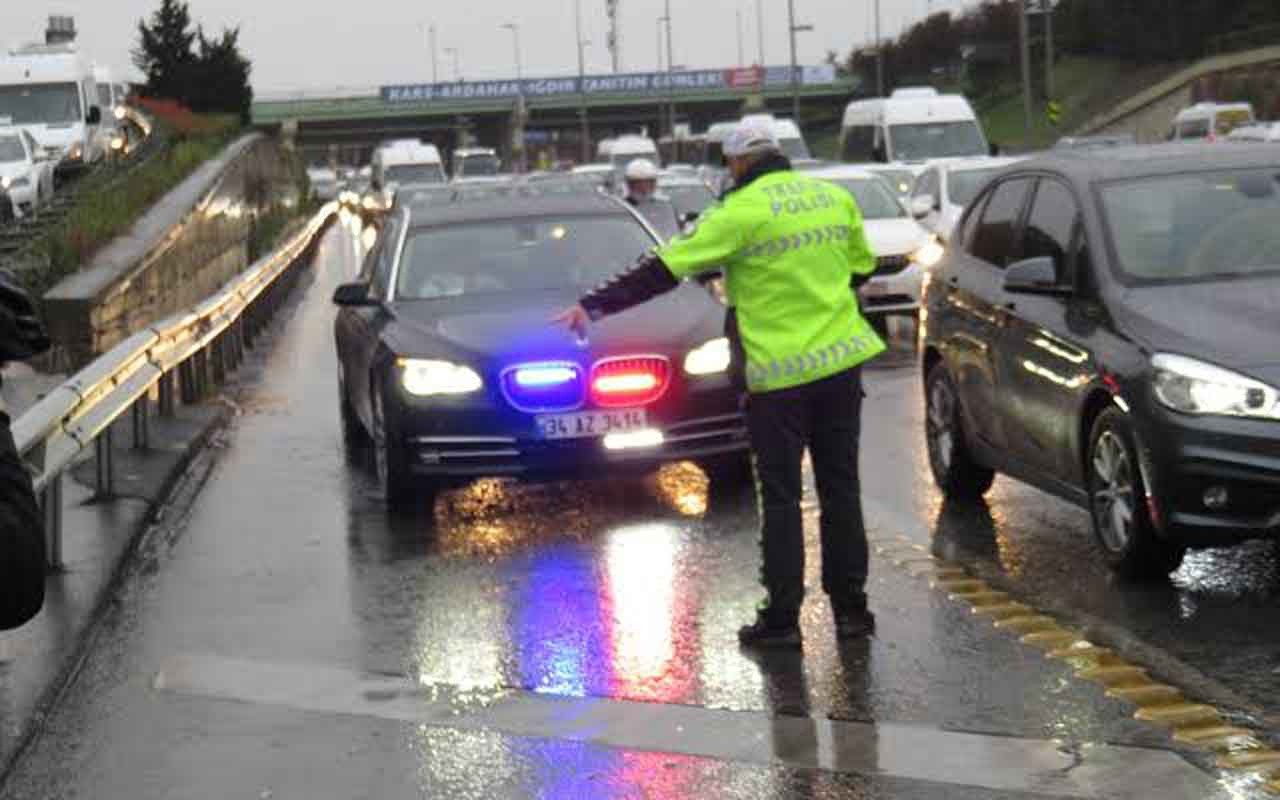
[110, 201]
[1084, 87]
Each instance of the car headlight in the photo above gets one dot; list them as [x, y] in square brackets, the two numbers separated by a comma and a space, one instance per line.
[423, 378]
[1194, 387]
[709, 359]
[75, 153]
[5, 183]
[929, 255]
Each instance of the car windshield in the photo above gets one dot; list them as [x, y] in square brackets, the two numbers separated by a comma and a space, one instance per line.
[11, 149]
[936, 140]
[40, 103]
[899, 179]
[1196, 226]
[875, 199]
[479, 165]
[964, 184]
[688, 198]
[414, 173]
[517, 256]
[794, 148]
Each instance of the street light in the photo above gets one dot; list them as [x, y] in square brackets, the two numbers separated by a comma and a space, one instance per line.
[795, 77]
[585, 133]
[671, 89]
[435, 59]
[515, 35]
[457, 64]
[879, 55]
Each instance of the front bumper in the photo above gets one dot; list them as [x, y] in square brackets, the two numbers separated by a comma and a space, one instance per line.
[699, 419]
[893, 294]
[1186, 456]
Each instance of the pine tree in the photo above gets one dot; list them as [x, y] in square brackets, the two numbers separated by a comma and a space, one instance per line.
[164, 53]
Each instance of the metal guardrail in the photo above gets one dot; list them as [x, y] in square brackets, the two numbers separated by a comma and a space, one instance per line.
[182, 356]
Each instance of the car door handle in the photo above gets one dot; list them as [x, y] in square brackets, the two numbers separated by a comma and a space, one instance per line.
[954, 280]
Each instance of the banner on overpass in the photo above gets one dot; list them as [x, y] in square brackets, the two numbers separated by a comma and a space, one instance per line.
[656, 84]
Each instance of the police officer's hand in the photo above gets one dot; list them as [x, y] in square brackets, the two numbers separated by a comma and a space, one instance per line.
[575, 319]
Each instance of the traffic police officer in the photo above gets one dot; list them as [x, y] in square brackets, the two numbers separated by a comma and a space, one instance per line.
[642, 193]
[790, 247]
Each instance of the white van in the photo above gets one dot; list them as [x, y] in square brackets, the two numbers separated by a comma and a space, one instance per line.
[50, 91]
[787, 132]
[1209, 122]
[405, 162]
[472, 162]
[913, 125]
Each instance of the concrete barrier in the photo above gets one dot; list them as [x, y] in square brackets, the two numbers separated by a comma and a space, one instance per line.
[181, 251]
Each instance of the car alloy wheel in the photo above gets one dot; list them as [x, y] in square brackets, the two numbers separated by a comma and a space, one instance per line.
[1113, 493]
[1117, 502]
[957, 473]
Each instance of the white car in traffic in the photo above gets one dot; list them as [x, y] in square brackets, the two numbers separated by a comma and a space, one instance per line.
[904, 250]
[26, 173]
[945, 188]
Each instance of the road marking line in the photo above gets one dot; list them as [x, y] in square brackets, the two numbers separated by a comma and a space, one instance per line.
[897, 750]
[1193, 724]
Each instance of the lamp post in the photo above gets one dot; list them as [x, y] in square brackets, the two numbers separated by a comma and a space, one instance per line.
[1025, 46]
[760, 32]
[457, 63]
[520, 109]
[515, 37]
[795, 77]
[585, 129]
[671, 89]
[879, 55]
[435, 57]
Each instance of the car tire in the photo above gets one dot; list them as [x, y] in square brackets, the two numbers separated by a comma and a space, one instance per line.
[354, 437]
[391, 461]
[1121, 522]
[955, 470]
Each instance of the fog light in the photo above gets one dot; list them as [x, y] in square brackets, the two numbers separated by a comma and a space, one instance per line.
[634, 440]
[1216, 498]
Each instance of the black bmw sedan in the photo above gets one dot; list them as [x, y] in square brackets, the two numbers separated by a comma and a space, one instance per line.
[1108, 328]
[449, 368]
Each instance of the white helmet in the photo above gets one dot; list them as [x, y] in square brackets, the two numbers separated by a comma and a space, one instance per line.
[642, 169]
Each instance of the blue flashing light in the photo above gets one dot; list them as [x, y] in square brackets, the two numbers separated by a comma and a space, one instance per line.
[544, 375]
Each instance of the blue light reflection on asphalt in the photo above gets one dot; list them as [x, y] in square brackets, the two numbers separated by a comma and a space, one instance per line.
[560, 626]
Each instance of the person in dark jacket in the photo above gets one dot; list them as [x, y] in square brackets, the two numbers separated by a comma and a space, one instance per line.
[22, 550]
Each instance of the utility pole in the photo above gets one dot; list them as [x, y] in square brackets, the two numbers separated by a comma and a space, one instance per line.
[615, 36]
[1047, 6]
[879, 55]
[793, 29]
[1024, 44]
[435, 58]
[760, 30]
[457, 63]
[585, 127]
[671, 89]
[741, 59]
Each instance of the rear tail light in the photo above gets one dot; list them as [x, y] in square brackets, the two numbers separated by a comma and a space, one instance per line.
[629, 381]
[543, 386]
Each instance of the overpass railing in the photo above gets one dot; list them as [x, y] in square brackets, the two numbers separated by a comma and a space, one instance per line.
[180, 358]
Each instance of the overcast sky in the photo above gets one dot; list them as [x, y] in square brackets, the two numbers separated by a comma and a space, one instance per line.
[319, 44]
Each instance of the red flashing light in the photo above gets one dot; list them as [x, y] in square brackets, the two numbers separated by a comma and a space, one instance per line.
[620, 382]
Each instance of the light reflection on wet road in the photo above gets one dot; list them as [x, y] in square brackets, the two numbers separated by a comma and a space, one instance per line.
[629, 590]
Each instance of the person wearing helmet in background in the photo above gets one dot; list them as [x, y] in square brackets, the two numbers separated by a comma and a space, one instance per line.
[641, 177]
[790, 247]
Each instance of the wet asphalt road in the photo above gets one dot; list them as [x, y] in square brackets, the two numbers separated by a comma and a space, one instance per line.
[282, 636]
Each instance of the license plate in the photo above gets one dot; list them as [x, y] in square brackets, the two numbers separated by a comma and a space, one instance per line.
[591, 423]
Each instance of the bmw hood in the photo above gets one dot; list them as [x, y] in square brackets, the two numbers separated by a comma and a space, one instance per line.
[1230, 323]
[894, 237]
[500, 329]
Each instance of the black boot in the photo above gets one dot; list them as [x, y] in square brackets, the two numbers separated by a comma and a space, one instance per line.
[771, 631]
[854, 622]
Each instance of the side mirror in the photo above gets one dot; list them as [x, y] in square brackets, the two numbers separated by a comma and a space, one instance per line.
[922, 205]
[1034, 276]
[994, 150]
[353, 295]
[95, 115]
